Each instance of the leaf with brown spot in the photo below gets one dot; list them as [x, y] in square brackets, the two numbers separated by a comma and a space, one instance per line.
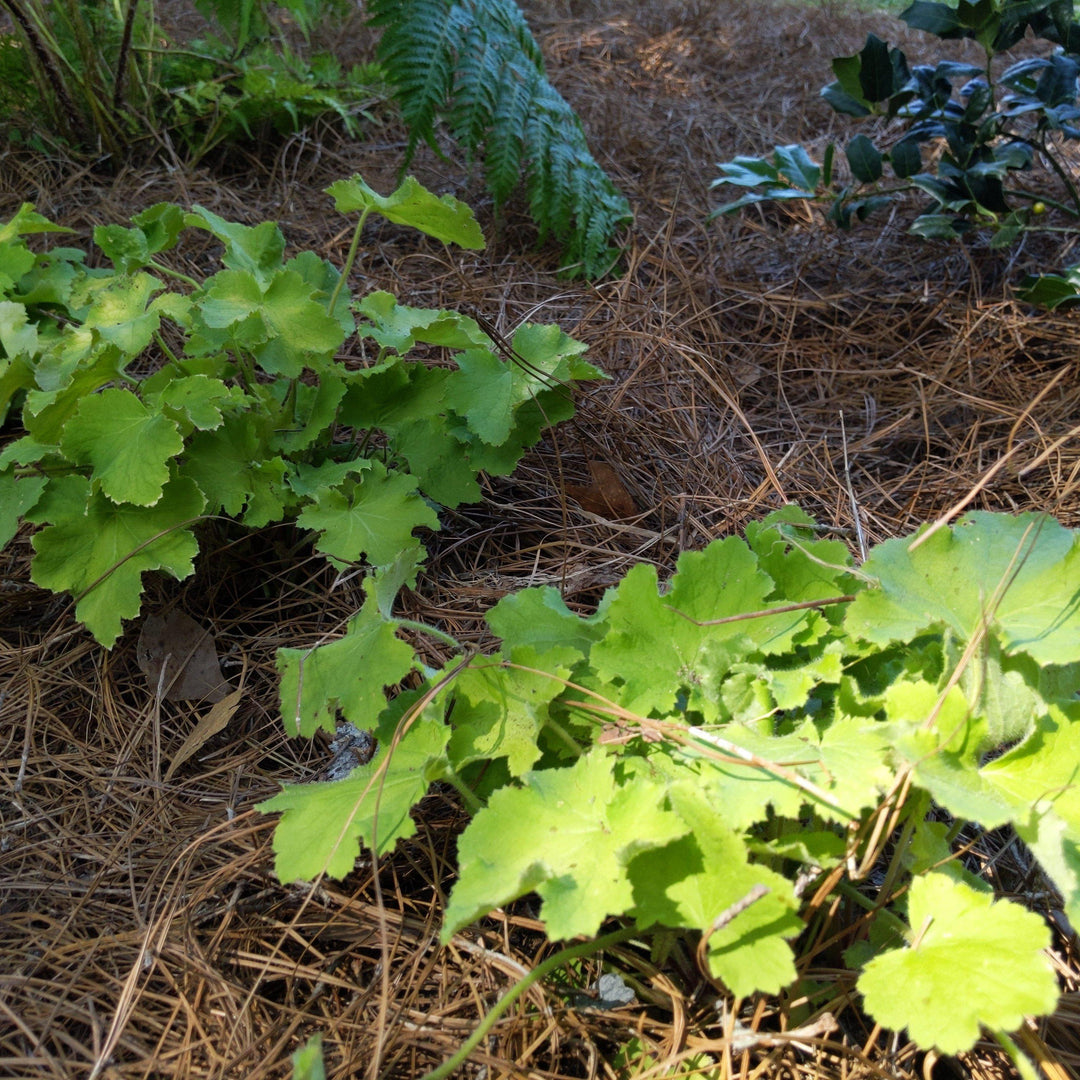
[178, 655]
[606, 495]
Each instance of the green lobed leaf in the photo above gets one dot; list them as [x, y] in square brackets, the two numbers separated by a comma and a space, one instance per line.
[412, 204]
[17, 496]
[1021, 574]
[200, 401]
[500, 708]
[400, 327]
[97, 550]
[324, 825]
[998, 947]
[279, 322]
[654, 646]
[375, 519]
[567, 834]
[347, 675]
[128, 446]
[254, 249]
[700, 876]
[27, 221]
[540, 617]
[122, 313]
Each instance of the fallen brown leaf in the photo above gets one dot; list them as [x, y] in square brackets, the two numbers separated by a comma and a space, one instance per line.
[606, 495]
[180, 656]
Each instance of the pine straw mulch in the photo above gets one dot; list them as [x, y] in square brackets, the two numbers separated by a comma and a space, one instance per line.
[753, 362]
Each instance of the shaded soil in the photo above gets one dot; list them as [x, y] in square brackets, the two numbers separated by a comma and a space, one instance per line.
[876, 380]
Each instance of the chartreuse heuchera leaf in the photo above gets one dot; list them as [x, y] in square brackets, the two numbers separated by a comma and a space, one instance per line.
[567, 834]
[956, 929]
[324, 825]
[244, 408]
[411, 204]
[1020, 574]
[347, 675]
[701, 754]
[98, 549]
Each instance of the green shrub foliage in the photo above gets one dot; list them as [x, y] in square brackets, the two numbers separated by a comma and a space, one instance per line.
[987, 128]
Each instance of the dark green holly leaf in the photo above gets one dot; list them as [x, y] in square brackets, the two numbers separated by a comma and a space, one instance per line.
[864, 159]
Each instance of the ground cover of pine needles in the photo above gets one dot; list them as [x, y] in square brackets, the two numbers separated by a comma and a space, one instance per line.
[757, 361]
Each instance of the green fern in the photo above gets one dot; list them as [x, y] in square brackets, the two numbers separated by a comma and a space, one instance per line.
[475, 65]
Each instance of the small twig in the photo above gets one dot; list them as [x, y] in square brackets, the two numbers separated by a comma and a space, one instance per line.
[731, 912]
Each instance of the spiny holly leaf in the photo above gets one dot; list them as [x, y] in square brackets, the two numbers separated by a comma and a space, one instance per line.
[1021, 573]
[376, 519]
[954, 928]
[500, 708]
[324, 825]
[347, 675]
[567, 834]
[97, 550]
[700, 876]
[412, 204]
[128, 446]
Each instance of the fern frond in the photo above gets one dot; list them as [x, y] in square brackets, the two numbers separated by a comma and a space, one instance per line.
[418, 48]
[476, 65]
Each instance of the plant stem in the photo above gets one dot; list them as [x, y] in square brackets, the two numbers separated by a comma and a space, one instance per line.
[173, 274]
[1064, 177]
[349, 260]
[572, 952]
[431, 631]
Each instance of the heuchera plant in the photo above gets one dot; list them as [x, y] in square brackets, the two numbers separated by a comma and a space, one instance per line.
[147, 410]
[730, 752]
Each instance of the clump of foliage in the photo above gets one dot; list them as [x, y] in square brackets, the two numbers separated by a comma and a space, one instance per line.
[106, 79]
[977, 129]
[109, 82]
[148, 410]
[476, 66]
[772, 736]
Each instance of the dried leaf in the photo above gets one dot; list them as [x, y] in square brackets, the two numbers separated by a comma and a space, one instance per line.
[177, 644]
[606, 495]
[216, 719]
